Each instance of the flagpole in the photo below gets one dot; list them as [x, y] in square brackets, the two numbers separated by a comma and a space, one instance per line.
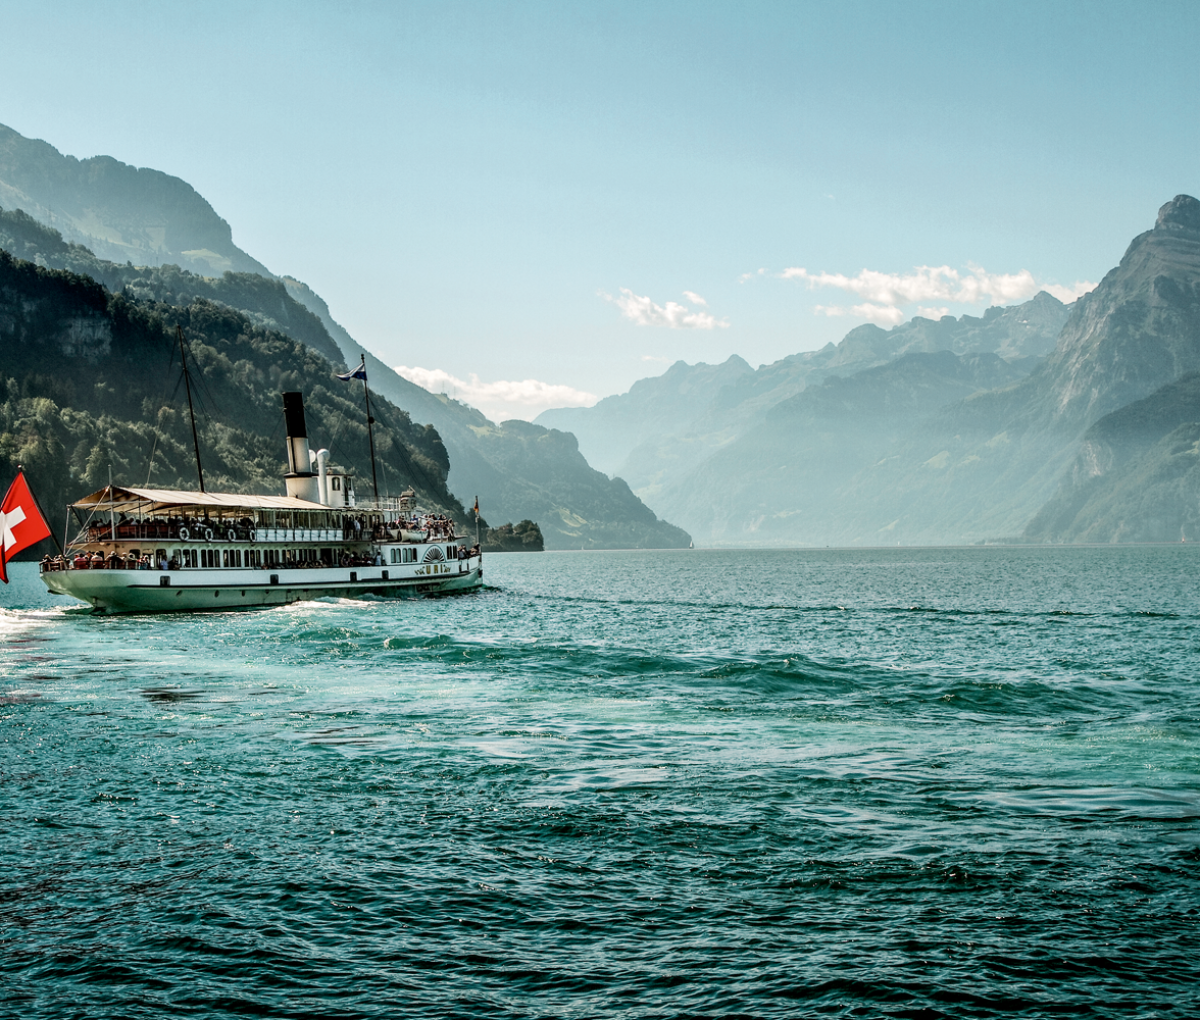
[38, 503]
[370, 430]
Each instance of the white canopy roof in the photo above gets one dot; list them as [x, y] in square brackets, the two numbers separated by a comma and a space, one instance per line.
[151, 501]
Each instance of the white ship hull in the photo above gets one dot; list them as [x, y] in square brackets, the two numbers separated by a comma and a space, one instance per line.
[166, 591]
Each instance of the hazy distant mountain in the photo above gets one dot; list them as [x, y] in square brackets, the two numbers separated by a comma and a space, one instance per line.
[661, 405]
[520, 471]
[122, 213]
[132, 230]
[788, 479]
[890, 455]
[666, 427]
[1136, 477]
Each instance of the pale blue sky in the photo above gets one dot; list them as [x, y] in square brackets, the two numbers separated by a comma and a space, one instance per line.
[465, 182]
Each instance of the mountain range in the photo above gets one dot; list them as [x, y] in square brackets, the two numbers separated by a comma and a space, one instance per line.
[152, 237]
[1037, 422]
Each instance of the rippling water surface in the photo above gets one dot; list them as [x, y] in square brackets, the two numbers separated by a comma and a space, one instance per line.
[909, 783]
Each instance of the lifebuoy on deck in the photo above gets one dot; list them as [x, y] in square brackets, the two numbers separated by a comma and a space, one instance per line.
[252, 534]
[184, 534]
[208, 534]
[231, 534]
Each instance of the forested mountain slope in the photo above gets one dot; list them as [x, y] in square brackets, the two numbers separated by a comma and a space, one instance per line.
[90, 384]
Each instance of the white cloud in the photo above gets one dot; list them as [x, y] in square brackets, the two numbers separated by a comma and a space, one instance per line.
[695, 298]
[1068, 294]
[925, 283]
[882, 314]
[500, 400]
[885, 294]
[672, 315]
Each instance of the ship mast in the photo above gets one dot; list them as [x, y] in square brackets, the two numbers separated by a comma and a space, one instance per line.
[187, 382]
[370, 423]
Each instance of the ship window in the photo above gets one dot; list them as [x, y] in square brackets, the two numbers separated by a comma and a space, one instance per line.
[337, 484]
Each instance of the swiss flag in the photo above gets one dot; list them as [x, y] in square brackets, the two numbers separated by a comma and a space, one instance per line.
[21, 523]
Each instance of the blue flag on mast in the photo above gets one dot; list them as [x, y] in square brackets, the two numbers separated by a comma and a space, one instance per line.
[358, 373]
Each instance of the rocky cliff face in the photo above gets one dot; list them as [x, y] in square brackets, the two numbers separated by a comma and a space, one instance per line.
[1136, 476]
[1138, 330]
[122, 213]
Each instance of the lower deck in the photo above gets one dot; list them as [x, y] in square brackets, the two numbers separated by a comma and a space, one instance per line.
[124, 578]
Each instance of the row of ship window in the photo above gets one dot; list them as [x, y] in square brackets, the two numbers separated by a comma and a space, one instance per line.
[259, 558]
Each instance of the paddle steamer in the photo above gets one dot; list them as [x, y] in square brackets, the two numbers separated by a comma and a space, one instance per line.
[159, 550]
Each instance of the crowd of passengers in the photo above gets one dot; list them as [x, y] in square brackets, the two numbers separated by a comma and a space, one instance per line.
[437, 527]
[113, 561]
[143, 561]
[167, 527]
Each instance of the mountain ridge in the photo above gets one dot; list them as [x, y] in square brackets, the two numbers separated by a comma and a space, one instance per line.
[883, 455]
[86, 195]
[82, 198]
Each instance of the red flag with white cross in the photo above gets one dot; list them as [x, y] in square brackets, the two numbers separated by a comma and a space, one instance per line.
[21, 523]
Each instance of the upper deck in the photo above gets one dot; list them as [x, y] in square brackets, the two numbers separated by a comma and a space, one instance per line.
[121, 514]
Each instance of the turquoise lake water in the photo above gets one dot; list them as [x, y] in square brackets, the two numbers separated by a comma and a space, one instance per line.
[896, 783]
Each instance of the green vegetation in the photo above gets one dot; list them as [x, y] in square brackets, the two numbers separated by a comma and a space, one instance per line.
[265, 301]
[523, 537]
[90, 383]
